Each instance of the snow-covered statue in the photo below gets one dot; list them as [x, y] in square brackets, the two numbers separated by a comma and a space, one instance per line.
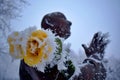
[45, 56]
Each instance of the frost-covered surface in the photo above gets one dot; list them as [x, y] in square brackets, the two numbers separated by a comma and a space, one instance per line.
[50, 40]
[17, 39]
[112, 65]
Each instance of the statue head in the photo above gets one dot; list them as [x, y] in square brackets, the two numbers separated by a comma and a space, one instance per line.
[57, 23]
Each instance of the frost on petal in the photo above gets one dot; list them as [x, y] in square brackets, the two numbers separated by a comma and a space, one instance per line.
[17, 42]
[40, 48]
[15, 47]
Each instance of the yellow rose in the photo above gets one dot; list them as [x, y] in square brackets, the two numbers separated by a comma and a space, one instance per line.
[38, 48]
[15, 48]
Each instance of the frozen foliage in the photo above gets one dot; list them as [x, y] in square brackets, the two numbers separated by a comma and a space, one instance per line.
[69, 54]
[113, 68]
[9, 10]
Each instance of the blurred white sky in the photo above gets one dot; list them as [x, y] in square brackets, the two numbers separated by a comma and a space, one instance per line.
[87, 17]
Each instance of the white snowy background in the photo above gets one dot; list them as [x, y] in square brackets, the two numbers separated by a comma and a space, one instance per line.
[87, 17]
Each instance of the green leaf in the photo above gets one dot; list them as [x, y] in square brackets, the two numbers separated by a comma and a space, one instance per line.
[59, 48]
[70, 69]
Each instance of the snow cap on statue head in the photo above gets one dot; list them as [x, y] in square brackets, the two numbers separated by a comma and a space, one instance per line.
[58, 23]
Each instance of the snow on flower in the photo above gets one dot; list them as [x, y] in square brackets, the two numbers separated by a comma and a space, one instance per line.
[39, 48]
[17, 41]
[36, 47]
[15, 49]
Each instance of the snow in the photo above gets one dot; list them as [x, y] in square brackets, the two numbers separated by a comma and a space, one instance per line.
[47, 22]
[112, 65]
[19, 38]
